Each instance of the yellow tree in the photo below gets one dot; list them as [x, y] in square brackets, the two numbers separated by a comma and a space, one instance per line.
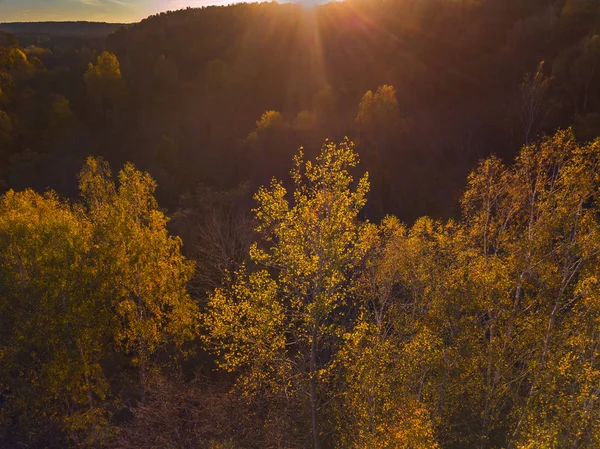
[378, 115]
[533, 235]
[105, 86]
[147, 270]
[265, 146]
[486, 328]
[55, 326]
[280, 325]
[379, 126]
[561, 405]
[270, 122]
[392, 364]
[78, 284]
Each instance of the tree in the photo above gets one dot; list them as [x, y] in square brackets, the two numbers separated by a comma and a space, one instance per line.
[560, 239]
[61, 119]
[18, 64]
[576, 68]
[535, 228]
[79, 284]
[166, 74]
[56, 326]
[168, 154]
[305, 120]
[585, 71]
[378, 408]
[264, 146]
[483, 328]
[378, 117]
[105, 86]
[396, 363]
[534, 103]
[379, 126]
[184, 415]
[278, 326]
[147, 270]
[269, 121]
[324, 104]
[218, 229]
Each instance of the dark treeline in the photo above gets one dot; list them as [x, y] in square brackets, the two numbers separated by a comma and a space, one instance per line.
[73, 29]
[180, 304]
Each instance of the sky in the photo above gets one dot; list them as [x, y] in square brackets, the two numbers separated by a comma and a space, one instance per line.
[122, 11]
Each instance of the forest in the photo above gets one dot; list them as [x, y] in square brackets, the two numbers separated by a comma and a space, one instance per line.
[364, 224]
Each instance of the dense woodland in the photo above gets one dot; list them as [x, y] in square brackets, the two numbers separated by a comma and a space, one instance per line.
[368, 224]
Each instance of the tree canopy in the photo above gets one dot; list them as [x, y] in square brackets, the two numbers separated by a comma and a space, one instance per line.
[440, 291]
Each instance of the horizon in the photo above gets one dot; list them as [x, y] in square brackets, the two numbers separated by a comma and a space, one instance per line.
[109, 11]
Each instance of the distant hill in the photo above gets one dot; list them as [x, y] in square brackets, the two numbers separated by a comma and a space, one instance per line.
[67, 29]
